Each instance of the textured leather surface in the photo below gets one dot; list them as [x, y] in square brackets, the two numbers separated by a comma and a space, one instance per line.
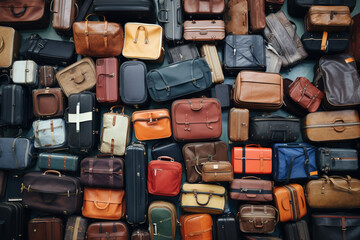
[10, 48]
[288, 104]
[48, 102]
[45, 228]
[257, 218]
[337, 159]
[196, 226]
[236, 17]
[111, 230]
[198, 7]
[140, 234]
[251, 189]
[257, 15]
[107, 80]
[217, 172]
[298, 8]
[238, 124]
[64, 13]
[47, 76]
[255, 159]
[204, 30]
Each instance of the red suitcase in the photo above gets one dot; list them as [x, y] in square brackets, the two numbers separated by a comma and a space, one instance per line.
[107, 80]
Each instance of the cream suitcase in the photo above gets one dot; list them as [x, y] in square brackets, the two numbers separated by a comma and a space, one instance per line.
[25, 72]
[9, 46]
[209, 52]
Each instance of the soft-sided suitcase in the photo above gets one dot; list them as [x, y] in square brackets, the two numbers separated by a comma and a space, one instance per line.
[257, 15]
[25, 72]
[251, 188]
[10, 47]
[135, 183]
[48, 103]
[298, 8]
[337, 159]
[238, 124]
[222, 92]
[297, 230]
[76, 227]
[217, 172]
[133, 86]
[162, 220]
[45, 228]
[50, 133]
[226, 227]
[58, 161]
[140, 234]
[81, 119]
[11, 220]
[107, 80]
[199, 225]
[108, 230]
[167, 148]
[170, 15]
[319, 43]
[251, 159]
[16, 153]
[210, 53]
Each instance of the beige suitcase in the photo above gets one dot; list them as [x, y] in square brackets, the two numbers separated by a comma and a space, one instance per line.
[209, 52]
[9, 46]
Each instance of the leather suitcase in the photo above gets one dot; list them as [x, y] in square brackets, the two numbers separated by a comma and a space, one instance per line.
[198, 7]
[49, 133]
[115, 132]
[334, 226]
[167, 148]
[244, 52]
[354, 45]
[210, 54]
[133, 86]
[236, 17]
[63, 14]
[162, 220]
[196, 154]
[290, 201]
[108, 230]
[47, 76]
[45, 228]
[12, 220]
[107, 80]
[337, 159]
[82, 121]
[48, 103]
[164, 177]
[251, 159]
[285, 167]
[102, 203]
[222, 92]
[297, 230]
[199, 225]
[331, 126]
[25, 72]
[320, 43]
[257, 90]
[16, 153]
[3, 183]
[288, 104]
[217, 172]
[257, 15]
[204, 30]
[298, 8]
[196, 119]
[328, 18]
[10, 47]
[170, 15]
[238, 124]
[78, 77]
[272, 6]
[333, 192]
[182, 53]
[251, 189]
[102, 172]
[226, 227]
[135, 183]
[59, 161]
[64, 192]
[76, 227]
[140, 234]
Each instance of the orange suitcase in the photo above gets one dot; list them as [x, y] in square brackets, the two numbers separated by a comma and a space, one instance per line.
[196, 226]
[253, 158]
[290, 201]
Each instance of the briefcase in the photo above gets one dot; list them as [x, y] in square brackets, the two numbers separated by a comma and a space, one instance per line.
[113, 230]
[217, 172]
[48, 103]
[251, 159]
[107, 80]
[320, 43]
[298, 8]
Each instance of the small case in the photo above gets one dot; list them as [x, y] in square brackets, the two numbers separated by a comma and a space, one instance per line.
[288, 104]
[238, 124]
[251, 159]
[25, 72]
[211, 55]
[183, 53]
[58, 161]
[217, 172]
[167, 148]
[204, 30]
[258, 218]
[48, 102]
[222, 92]
[251, 189]
[50, 133]
[337, 159]
[47, 76]
[107, 80]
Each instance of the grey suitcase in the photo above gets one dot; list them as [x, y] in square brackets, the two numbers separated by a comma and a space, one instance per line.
[170, 15]
[16, 153]
[337, 159]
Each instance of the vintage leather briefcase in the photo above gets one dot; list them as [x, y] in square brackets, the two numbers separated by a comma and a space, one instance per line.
[50, 133]
[236, 17]
[210, 53]
[196, 119]
[44, 228]
[16, 153]
[337, 159]
[251, 189]
[9, 47]
[98, 38]
[199, 7]
[257, 90]
[204, 30]
[107, 80]
[48, 102]
[199, 225]
[331, 126]
[64, 13]
[196, 154]
[221, 171]
[333, 192]
[258, 218]
[47, 76]
[182, 53]
[170, 15]
[162, 220]
[59, 161]
[251, 159]
[52, 193]
[76, 227]
[111, 230]
[257, 15]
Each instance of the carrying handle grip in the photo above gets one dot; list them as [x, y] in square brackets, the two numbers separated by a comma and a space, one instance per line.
[18, 14]
[196, 108]
[202, 204]
[94, 14]
[251, 177]
[79, 80]
[117, 106]
[141, 28]
[253, 145]
[101, 208]
[339, 128]
[2, 43]
[165, 158]
[52, 171]
[166, 16]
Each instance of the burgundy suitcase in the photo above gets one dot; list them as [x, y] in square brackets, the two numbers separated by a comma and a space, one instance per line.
[107, 80]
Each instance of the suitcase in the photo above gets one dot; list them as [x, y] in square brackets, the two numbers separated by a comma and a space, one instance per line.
[48, 103]
[162, 220]
[107, 80]
[251, 189]
[217, 172]
[288, 104]
[45, 228]
[133, 85]
[236, 17]
[318, 43]
[76, 227]
[10, 47]
[64, 14]
[12, 220]
[3, 183]
[290, 201]
[170, 15]
[331, 126]
[167, 148]
[50, 133]
[182, 53]
[257, 15]
[47, 76]
[59, 161]
[297, 230]
[140, 234]
[273, 60]
[226, 227]
[298, 8]
[238, 124]
[25, 72]
[135, 183]
[82, 121]
[198, 8]
[222, 92]
[199, 225]
[16, 153]
[337, 159]
[210, 53]
[204, 30]
[251, 159]
[108, 230]
[354, 45]
[272, 6]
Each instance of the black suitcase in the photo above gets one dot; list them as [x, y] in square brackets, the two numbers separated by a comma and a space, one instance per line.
[16, 105]
[167, 148]
[170, 15]
[337, 42]
[337, 159]
[222, 92]
[133, 88]
[135, 183]
[82, 121]
[298, 8]
[127, 11]
[296, 230]
[3, 183]
[183, 53]
[11, 221]
[227, 227]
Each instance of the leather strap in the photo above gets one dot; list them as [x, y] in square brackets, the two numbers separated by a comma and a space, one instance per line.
[49, 161]
[111, 169]
[36, 133]
[112, 146]
[192, 234]
[52, 132]
[26, 70]
[324, 42]
[64, 163]
[87, 30]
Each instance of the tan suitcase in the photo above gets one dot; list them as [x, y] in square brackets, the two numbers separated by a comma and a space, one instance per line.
[9, 46]
[210, 53]
[238, 124]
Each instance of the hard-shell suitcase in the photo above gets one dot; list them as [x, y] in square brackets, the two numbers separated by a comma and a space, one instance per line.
[135, 183]
[337, 159]
[210, 53]
[258, 218]
[107, 80]
[48, 103]
[81, 118]
[298, 8]
[45, 228]
[25, 72]
[297, 230]
[58, 161]
[76, 227]
[226, 226]
[170, 15]
[12, 220]
[108, 230]
[204, 30]
[64, 14]
[251, 159]
[162, 220]
[16, 153]
[10, 48]
[50, 133]
[238, 124]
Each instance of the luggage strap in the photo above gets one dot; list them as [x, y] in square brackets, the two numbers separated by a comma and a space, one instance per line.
[14, 153]
[306, 164]
[87, 30]
[78, 117]
[324, 42]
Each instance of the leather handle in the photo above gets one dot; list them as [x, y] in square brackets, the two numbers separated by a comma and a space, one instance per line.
[101, 208]
[253, 145]
[339, 128]
[348, 189]
[79, 81]
[196, 108]
[52, 171]
[251, 177]
[165, 158]
[141, 28]
[117, 106]
[203, 204]
[94, 14]
[18, 14]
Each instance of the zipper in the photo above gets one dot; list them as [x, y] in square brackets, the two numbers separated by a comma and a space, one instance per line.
[13, 104]
[292, 201]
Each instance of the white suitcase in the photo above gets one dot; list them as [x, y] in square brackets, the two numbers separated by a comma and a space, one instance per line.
[25, 72]
[50, 133]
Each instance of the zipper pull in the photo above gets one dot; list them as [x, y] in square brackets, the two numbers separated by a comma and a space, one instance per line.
[234, 50]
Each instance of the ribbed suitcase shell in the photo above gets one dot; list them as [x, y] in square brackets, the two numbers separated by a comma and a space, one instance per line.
[210, 53]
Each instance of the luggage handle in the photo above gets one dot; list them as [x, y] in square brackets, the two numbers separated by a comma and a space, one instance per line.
[339, 128]
[141, 27]
[197, 201]
[117, 106]
[253, 145]
[101, 208]
[52, 171]
[196, 108]
[87, 30]
[18, 14]
[37, 107]
[165, 158]
[77, 81]
[251, 177]
[94, 14]
[166, 16]
[348, 180]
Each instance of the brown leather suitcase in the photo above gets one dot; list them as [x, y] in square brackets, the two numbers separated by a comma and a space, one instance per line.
[107, 80]
[199, 7]
[257, 15]
[217, 172]
[331, 126]
[140, 234]
[236, 17]
[251, 189]
[45, 229]
[258, 218]
[199, 226]
[9, 48]
[204, 30]
[47, 76]
[64, 13]
[48, 102]
[76, 228]
[354, 45]
[238, 124]
[108, 230]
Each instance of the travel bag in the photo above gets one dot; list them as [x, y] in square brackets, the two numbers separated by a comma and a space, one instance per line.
[111, 230]
[170, 15]
[48, 102]
[107, 80]
[251, 188]
[251, 159]
[64, 13]
[210, 54]
[25, 72]
[236, 17]
[217, 172]
[354, 46]
[47, 76]
[238, 124]
[298, 8]
[196, 225]
[102, 203]
[182, 53]
[297, 230]
[115, 132]
[222, 92]
[78, 77]
[58, 161]
[294, 161]
[196, 119]
[162, 220]
[10, 47]
[102, 172]
[204, 30]
[12, 220]
[44, 228]
[257, 15]
[331, 126]
[337, 159]
[76, 227]
[198, 7]
[333, 192]
[288, 104]
[16, 153]
[133, 86]
[226, 227]
[140, 234]
[319, 43]
[257, 90]
[53, 193]
[167, 148]
[50, 133]
[178, 79]
[273, 59]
